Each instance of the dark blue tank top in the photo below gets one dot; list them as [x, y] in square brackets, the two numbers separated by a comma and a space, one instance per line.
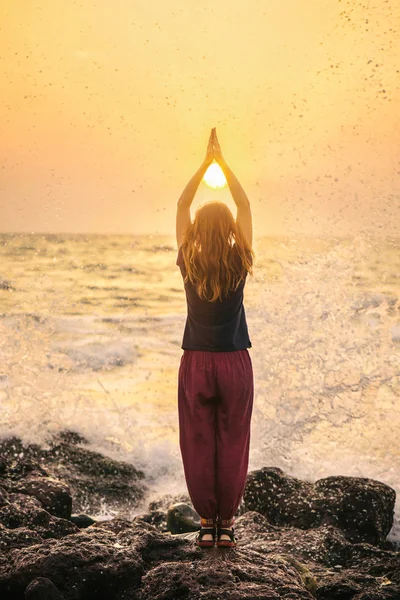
[218, 326]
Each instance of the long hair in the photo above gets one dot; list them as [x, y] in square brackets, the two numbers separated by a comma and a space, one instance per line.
[210, 263]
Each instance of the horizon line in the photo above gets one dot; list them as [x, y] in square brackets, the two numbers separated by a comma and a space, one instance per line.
[172, 235]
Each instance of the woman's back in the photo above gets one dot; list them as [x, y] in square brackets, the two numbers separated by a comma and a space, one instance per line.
[218, 326]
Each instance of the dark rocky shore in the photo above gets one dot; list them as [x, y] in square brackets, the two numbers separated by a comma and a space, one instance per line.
[296, 540]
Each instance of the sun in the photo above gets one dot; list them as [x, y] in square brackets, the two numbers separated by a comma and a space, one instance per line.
[214, 177]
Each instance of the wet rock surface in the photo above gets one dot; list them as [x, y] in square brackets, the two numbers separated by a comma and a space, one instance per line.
[360, 507]
[296, 539]
[90, 476]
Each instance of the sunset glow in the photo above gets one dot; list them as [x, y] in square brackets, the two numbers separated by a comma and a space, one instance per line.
[214, 177]
[106, 109]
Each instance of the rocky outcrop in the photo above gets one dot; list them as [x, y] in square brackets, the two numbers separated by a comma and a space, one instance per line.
[296, 539]
[90, 477]
[360, 507]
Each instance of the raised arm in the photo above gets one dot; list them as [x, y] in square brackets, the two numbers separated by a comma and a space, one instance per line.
[243, 217]
[187, 196]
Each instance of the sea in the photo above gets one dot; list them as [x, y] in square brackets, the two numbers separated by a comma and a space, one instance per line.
[91, 329]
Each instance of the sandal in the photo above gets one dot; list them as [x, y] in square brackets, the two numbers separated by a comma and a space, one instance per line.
[231, 543]
[226, 543]
[204, 531]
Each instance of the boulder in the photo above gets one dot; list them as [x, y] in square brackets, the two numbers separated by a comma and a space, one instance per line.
[54, 495]
[42, 588]
[182, 518]
[362, 508]
[90, 477]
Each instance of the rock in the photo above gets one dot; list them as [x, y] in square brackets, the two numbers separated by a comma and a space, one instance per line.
[95, 478]
[154, 517]
[27, 477]
[23, 521]
[321, 545]
[3, 465]
[54, 495]
[23, 501]
[71, 437]
[164, 502]
[90, 477]
[22, 466]
[42, 588]
[308, 579]
[36, 519]
[89, 564]
[284, 500]
[17, 538]
[236, 578]
[82, 521]
[363, 508]
[324, 556]
[301, 541]
[181, 518]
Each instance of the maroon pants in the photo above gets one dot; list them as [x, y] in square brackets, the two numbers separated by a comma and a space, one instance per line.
[215, 402]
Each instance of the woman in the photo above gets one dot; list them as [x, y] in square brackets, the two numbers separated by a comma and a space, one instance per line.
[215, 381]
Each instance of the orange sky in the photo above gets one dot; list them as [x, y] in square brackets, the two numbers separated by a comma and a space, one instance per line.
[106, 109]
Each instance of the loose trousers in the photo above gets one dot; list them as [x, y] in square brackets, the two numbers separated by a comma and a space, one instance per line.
[215, 402]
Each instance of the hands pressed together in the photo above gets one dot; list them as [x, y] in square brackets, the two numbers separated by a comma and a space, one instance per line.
[213, 149]
[214, 153]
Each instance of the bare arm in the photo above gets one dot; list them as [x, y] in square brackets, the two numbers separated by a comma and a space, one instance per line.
[183, 219]
[186, 198]
[238, 194]
[243, 218]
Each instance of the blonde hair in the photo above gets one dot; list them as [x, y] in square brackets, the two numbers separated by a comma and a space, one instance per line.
[207, 254]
